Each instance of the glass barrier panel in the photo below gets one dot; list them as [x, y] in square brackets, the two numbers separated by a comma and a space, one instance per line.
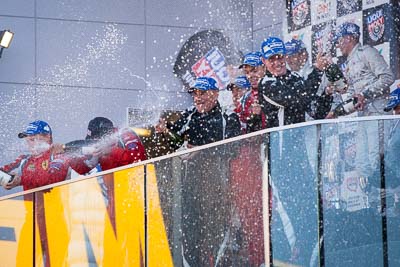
[16, 231]
[94, 222]
[351, 204]
[392, 191]
[294, 223]
[212, 205]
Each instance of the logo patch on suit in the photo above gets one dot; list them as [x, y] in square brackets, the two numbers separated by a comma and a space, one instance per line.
[31, 167]
[45, 165]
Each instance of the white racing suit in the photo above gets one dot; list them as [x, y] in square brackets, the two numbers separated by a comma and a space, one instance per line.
[368, 73]
[355, 222]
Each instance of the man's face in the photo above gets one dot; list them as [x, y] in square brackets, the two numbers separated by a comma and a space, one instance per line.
[346, 44]
[237, 93]
[276, 64]
[297, 61]
[38, 143]
[254, 74]
[205, 101]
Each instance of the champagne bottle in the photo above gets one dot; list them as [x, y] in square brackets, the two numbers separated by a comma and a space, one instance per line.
[346, 107]
[174, 139]
[336, 77]
[78, 146]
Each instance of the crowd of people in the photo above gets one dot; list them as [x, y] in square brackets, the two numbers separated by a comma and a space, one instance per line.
[279, 86]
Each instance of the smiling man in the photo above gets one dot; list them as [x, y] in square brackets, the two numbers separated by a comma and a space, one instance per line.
[205, 202]
[284, 99]
[367, 73]
[251, 114]
[205, 122]
[282, 94]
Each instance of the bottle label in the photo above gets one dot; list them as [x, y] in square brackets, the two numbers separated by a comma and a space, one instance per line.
[349, 106]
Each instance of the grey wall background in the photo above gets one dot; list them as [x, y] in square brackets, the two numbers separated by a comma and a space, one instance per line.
[73, 60]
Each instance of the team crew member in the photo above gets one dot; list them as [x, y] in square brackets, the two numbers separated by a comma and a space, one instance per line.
[122, 147]
[251, 113]
[112, 148]
[282, 93]
[369, 79]
[40, 167]
[246, 169]
[285, 100]
[205, 122]
[239, 87]
[316, 77]
[205, 198]
[368, 75]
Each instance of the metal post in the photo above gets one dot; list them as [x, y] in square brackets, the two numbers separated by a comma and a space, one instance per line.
[320, 190]
[381, 132]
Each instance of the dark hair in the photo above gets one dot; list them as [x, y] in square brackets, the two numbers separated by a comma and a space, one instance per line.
[99, 127]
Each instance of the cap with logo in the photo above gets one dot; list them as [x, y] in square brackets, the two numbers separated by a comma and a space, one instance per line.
[36, 127]
[294, 46]
[241, 82]
[98, 127]
[204, 84]
[272, 46]
[394, 100]
[347, 28]
[252, 59]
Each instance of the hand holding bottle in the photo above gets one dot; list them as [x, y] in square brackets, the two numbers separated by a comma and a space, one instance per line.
[15, 181]
[348, 106]
[336, 78]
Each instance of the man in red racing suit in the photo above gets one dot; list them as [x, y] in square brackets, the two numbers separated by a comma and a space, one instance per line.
[110, 147]
[41, 167]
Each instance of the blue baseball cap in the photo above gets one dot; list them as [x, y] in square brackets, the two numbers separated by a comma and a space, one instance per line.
[272, 46]
[241, 81]
[347, 28]
[36, 127]
[394, 100]
[294, 46]
[252, 59]
[205, 84]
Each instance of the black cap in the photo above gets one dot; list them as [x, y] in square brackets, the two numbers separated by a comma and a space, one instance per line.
[99, 127]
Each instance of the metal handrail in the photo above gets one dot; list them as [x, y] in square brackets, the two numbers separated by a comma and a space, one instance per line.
[199, 148]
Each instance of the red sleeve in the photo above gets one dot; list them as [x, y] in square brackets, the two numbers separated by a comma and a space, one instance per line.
[245, 114]
[131, 148]
[13, 165]
[78, 164]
